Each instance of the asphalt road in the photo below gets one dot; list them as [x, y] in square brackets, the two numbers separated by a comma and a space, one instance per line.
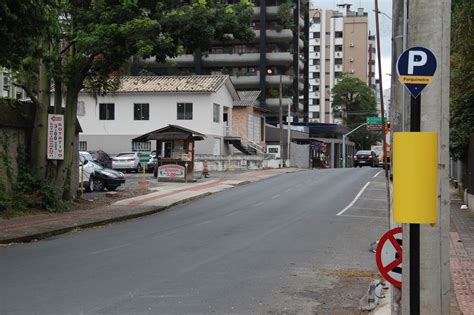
[271, 247]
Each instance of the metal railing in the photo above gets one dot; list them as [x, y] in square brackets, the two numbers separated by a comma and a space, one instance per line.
[234, 131]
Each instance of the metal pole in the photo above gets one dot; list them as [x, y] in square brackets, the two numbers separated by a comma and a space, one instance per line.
[288, 150]
[344, 143]
[343, 151]
[281, 123]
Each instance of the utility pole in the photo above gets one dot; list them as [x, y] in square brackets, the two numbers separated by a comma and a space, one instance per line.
[288, 150]
[433, 34]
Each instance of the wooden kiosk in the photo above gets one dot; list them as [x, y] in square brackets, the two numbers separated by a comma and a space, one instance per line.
[174, 151]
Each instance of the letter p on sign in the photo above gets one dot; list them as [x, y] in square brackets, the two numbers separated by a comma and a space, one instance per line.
[413, 61]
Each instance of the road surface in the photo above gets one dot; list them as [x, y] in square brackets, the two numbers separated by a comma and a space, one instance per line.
[276, 246]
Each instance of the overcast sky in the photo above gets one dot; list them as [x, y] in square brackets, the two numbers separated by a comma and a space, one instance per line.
[385, 27]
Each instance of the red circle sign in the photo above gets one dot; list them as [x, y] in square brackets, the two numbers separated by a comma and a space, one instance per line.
[389, 256]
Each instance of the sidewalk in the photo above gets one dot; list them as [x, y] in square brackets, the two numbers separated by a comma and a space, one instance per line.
[29, 228]
[462, 254]
[461, 248]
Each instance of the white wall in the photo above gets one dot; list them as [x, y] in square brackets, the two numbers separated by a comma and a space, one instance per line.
[162, 112]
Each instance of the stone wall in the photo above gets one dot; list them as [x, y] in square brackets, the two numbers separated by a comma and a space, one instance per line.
[299, 155]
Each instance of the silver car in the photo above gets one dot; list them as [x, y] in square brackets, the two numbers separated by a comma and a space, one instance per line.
[127, 161]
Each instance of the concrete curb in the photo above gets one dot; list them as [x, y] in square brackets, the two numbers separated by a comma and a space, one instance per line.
[55, 232]
[156, 209]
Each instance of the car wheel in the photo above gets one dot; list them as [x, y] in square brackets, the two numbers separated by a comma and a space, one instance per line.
[111, 187]
[98, 184]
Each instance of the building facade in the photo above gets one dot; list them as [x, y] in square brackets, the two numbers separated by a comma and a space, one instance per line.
[143, 104]
[276, 54]
[339, 42]
[8, 88]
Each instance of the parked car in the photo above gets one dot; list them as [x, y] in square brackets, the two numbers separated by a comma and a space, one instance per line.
[150, 165]
[101, 177]
[366, 157]
[86, 173]
[127, 161]
[102, 158]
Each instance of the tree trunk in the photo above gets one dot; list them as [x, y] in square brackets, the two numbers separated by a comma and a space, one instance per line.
[66, 167]
[40, 128]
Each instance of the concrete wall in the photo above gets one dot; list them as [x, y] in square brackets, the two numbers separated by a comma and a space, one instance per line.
[228, 163]
[299, 155]
[11, 139]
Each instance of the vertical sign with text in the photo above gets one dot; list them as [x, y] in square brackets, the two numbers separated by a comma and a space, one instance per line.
[55, 137]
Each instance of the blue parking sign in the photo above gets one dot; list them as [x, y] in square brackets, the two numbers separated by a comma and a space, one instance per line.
[416, 67]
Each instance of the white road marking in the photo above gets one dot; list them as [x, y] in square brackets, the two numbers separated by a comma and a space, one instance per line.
[108, 249]
[355, 199]
[370, 209]
[378, 173]
[205, 222]
[276, 196]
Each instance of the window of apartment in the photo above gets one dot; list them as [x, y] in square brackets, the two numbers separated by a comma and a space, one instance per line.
[82, 145]
[216, 113]
[185, 111]
[328, 33]
[141, 146]
[338, 48]
[315, 101]
[317, 34]
[106, 111]
[338, 35]
[315, 88]
[316, 75]
[316, 19]
[141, 111]
[315, 114]
[316, 62]
[81, 108]
[338, 61]
[327, 46]
[317, 48]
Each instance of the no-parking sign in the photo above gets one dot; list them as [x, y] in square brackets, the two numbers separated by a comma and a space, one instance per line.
[388, 256]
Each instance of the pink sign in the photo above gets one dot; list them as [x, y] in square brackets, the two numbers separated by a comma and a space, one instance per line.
[171, 171]
[55, 137]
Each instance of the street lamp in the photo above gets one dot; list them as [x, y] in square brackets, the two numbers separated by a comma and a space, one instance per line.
[344, 158]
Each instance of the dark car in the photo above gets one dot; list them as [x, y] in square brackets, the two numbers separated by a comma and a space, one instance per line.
[102, 158]
[366, 157]
[106, 178]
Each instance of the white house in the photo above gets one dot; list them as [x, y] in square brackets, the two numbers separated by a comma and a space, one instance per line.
[145, 103]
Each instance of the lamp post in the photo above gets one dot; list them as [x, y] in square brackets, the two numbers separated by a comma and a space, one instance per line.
[344, 144]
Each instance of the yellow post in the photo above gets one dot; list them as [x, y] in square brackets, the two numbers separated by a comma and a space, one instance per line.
[415, 177]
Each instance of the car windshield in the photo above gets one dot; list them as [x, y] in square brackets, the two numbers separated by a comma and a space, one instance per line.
[126, 155]
[363, 152]
[97, 166]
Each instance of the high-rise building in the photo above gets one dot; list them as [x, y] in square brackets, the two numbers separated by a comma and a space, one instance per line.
[339, 42]
[276, 53]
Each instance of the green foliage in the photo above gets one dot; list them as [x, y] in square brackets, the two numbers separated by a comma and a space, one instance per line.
[29, 192]
[285, 15]
[354, 100]
[462, 77]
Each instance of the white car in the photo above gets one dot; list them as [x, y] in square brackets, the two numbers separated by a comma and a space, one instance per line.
[86, 172]
[127, 161]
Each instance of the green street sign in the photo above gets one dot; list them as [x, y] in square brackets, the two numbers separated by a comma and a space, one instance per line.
[376, 120]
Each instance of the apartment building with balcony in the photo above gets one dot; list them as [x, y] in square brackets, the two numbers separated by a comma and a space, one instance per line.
[339, 42]
[277, 50]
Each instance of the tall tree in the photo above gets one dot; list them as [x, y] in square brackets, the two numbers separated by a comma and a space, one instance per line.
[462, 77]
[89, 40]
[354, 100]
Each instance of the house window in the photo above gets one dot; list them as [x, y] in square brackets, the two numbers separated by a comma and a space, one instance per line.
[217, 113]
[141, 111]
[82, 145]
[338, 35]
[315, 114]
[185, 111]
[141, 146]
[315, 101]
[107, 111]
[81, 108]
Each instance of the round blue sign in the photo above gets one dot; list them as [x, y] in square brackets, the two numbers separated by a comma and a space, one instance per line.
[416, 67]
